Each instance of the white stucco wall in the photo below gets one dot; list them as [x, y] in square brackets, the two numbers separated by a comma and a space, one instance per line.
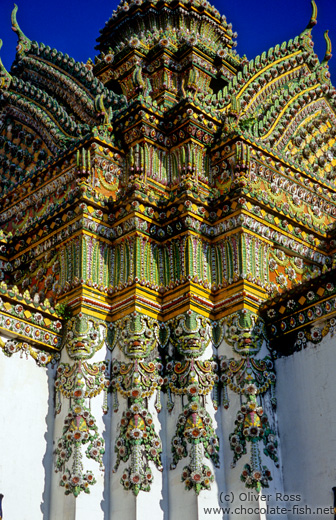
[26, 436]
[31, 487]
[306, 390]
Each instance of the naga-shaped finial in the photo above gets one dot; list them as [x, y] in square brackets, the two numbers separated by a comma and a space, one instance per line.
[313, 18]
[5, 77]
[305, 36]
[100, 108]
[23, 42]
[328, 54]
[138, 79]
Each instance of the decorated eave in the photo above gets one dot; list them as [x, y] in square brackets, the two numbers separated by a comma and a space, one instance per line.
[269, 171]
[71, 82]
[304, 314]
[24, 319]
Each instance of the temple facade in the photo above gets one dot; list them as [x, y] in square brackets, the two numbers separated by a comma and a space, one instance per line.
[167, 274]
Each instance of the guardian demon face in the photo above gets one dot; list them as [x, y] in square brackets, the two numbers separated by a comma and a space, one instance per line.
[190, 334]
[84, 337]
[137, 335]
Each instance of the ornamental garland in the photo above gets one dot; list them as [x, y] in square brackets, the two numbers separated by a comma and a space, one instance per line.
[42, 358]
[81, 380]
[236, 373]
[314, 334]
[189, 377]
[136, 380]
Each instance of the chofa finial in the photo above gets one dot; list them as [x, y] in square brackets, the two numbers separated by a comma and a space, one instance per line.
[328, 54]
[23, 42]
[5, 77]
[313, 18]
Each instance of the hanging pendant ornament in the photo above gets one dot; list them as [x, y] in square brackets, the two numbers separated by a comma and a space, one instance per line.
[137, 380]
[79, 429]
[195, 430]
[190, 335]
[252, 427]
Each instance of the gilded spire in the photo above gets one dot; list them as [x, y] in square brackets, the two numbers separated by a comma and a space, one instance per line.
[23, 42]
[5, 77]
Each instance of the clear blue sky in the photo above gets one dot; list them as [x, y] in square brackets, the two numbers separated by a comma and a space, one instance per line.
[72, 26]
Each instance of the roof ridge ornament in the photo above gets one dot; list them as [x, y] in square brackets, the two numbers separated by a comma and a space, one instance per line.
[328, 54]
[305, 36]
[24, 43]
[323, 74]
[5, 78]
[313, 18]
[101, 109]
